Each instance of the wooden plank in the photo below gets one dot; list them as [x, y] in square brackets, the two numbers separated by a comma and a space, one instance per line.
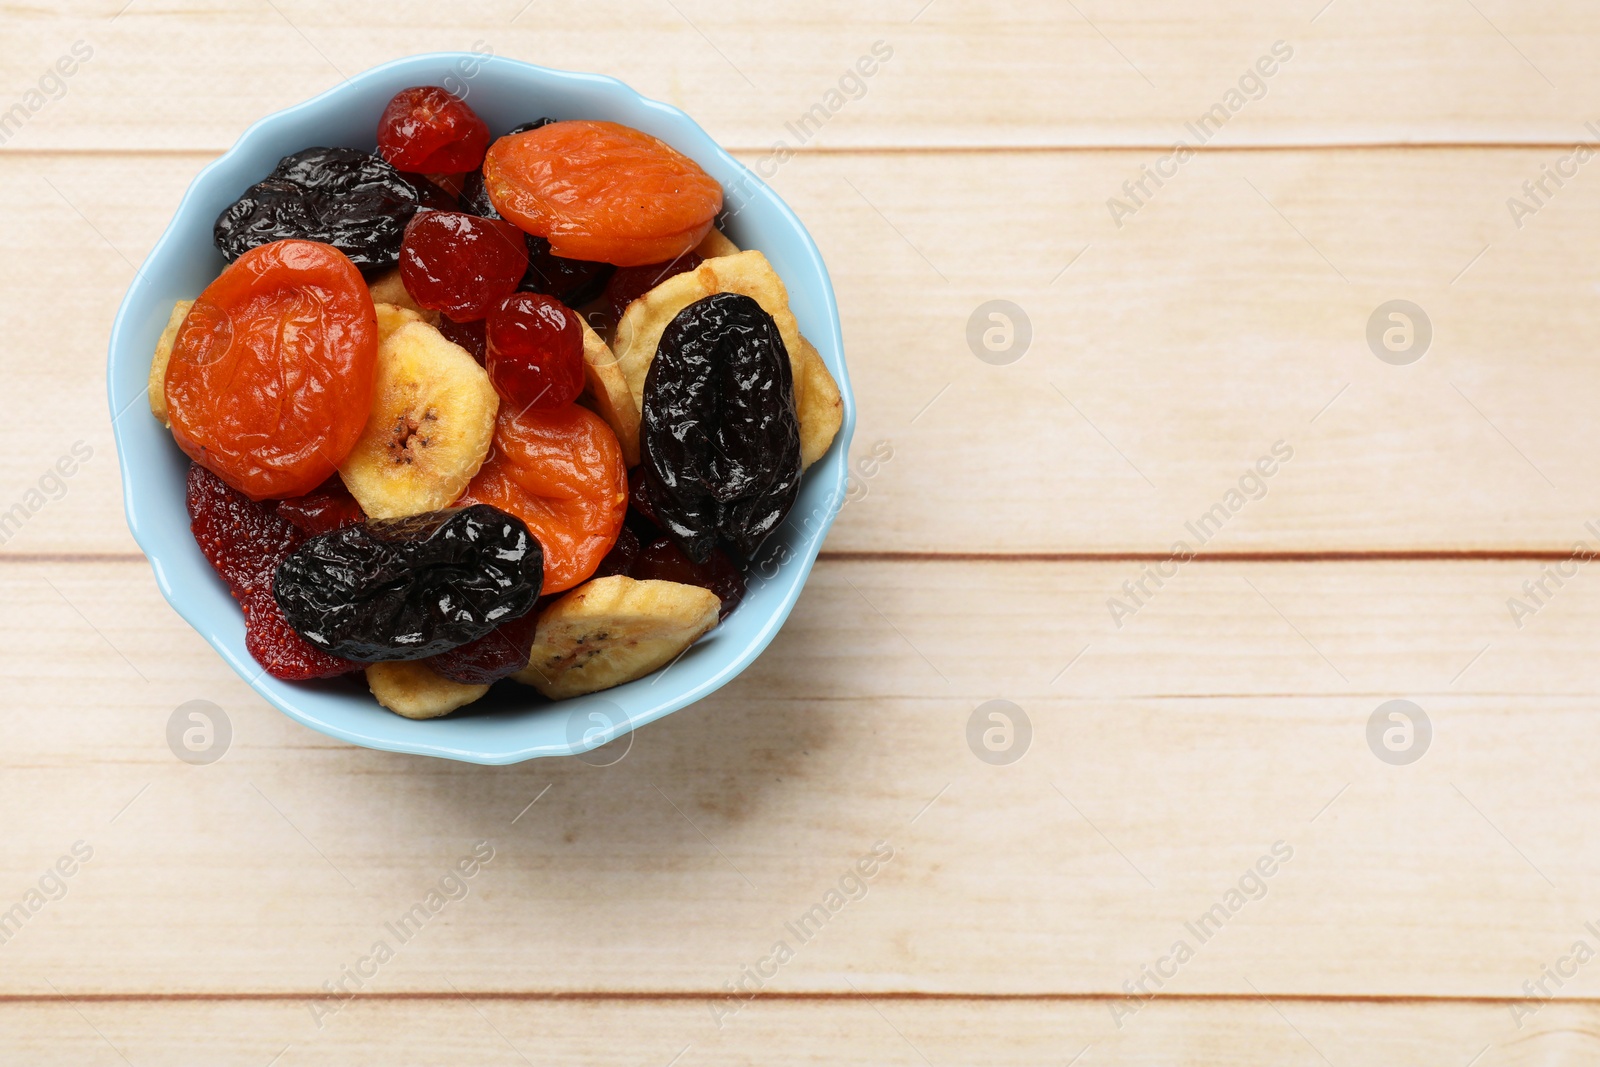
[1164, 763]
[869, 1032]
[194, 74]
[1228, 315]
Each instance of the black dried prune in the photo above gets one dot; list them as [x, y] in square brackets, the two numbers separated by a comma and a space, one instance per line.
[349, 199]
[536, 124]
[719, 435]
[411, 588]
[475, 198]
[574, 282]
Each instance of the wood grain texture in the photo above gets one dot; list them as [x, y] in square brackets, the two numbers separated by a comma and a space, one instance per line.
[1181, 724]
[872, 1032]
[1165, 761]
[194, 74]
[1226, 316]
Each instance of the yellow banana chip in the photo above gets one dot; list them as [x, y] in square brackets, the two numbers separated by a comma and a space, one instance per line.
[644, 320]
[163, 356]
[416, 691]
[822, 409]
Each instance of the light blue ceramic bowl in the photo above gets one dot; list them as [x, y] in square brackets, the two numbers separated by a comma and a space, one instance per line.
[516, 724]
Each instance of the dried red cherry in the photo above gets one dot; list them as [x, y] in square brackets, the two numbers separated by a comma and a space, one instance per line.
[430, 130]
[630, 283]
[461, 264]
[664, 561]
[535, 352]
[244, 541]
[498, 654]
[328, 507]
[411, 588]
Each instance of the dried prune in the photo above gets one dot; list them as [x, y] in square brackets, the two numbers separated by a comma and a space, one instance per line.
[469, 335]
[620, 559]
[344, 197]
[536, 124]
[664, 561]
[535, 352]
[475, 198]
[719, 436]
[244, 541]
[498, 654]
[430, 194]
[411, 588]
[574, 282]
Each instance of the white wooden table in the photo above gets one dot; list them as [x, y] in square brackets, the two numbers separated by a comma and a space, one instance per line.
[630, 915]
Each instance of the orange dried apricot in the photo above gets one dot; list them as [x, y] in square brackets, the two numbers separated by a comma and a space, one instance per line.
[271, 375]
[603, 192]
[560, 471]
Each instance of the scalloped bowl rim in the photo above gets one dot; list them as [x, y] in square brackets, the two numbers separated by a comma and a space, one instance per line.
[526, 734]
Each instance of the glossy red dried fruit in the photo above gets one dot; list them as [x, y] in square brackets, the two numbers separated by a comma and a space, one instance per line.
[498, 654]
[460, 264]
[244, 541]
[271, 377]
[602, 191]
[535, 352]
[329, 507]
[430, 130]
[664, 561]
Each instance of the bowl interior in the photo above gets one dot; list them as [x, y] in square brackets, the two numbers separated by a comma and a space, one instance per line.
[514, 724]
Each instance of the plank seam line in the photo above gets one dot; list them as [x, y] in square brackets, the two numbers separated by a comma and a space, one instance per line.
[714, 994]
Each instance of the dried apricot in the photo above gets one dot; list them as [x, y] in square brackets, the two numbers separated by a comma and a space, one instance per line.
[562, 473]
[271, 375]
[602, 191]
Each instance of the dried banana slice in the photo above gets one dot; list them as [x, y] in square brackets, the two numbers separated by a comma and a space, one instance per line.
[615, 630]
[415, 690]
[390, 288]
[822, 409]
[640, 328]
[430, 428]
[606, 393]
[163, 356]
[391, 317]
